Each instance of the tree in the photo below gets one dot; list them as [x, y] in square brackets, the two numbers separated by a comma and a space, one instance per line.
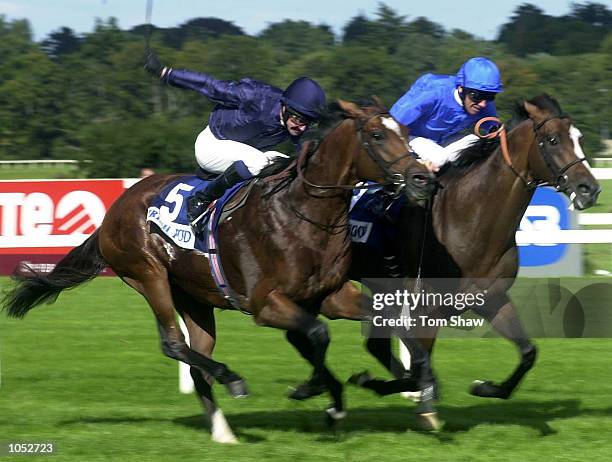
[61, 42]
[297, 37]
[531, 31]
[424, 26]
[357, 30]
[15, 38]
[594, 14]
[524, 34]
[199, 29]
[386, 31]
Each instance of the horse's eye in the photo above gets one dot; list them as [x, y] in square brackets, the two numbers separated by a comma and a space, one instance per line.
[378, 136]
[553, 140]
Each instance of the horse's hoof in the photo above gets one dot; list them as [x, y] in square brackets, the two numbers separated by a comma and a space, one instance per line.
[333, 417]
[225, 439]
[360, 378]
[429, 422]
[487, 389]
[237, 389]
[307, 390]
[220, 431]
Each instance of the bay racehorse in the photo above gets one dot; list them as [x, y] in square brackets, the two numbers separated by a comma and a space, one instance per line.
[284, 248]
[469, 233]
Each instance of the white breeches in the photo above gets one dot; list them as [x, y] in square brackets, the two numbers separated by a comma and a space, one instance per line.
[215, 155]
[439, 155]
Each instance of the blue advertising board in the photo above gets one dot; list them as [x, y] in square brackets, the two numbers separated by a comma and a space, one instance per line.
[549, 211]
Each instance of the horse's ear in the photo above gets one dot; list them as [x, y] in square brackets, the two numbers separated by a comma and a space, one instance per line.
[351, 109]
[535, 113]
[378, 102]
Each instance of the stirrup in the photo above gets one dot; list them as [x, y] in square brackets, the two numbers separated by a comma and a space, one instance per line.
[199, 223]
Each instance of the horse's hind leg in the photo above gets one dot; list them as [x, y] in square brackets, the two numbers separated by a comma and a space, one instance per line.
[158, 293]
[505, 320]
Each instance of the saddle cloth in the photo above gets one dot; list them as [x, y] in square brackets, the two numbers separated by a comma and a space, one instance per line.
[168, 212]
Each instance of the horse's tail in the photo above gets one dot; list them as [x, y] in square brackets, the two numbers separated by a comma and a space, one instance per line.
[33, 288]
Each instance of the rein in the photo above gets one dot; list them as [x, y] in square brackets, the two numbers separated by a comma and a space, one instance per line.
[503, 142]
[561, 177]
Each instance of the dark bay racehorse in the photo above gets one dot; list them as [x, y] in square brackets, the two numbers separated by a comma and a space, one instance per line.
[284, 251]
[470, 233]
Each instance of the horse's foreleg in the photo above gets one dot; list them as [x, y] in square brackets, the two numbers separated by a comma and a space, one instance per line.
[158, 293]
[280, 312]
[505, 320]
[343, 304]
[315, 385]
[202, 340]
[381, 349]
[347, 303]
[200, 322]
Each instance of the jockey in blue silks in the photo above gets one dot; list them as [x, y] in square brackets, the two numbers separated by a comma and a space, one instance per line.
[437, 107]
[250, 118]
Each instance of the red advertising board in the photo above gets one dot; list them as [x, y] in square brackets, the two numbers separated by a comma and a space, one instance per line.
[40, 221]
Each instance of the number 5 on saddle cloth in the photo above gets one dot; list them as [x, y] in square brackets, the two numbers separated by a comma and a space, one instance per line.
[167, 216]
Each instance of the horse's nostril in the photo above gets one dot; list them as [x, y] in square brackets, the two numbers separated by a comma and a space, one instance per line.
[588, 190]
[420, 180]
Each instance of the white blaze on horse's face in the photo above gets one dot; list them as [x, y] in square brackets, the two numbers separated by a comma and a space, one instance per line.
[575, 136]
[394, 126]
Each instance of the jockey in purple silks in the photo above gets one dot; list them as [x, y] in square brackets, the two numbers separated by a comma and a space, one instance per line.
[249, 118]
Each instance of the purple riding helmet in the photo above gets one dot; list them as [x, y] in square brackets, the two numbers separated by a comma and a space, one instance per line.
[306, 97]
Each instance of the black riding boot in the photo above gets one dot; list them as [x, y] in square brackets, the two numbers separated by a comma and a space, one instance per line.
[199, 202]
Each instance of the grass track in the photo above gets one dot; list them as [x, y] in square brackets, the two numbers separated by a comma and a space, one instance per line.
[37, 173]
[88, 375]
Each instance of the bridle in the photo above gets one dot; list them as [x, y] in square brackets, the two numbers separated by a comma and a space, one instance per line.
[561, 182]
[559, 173]
[395, 180]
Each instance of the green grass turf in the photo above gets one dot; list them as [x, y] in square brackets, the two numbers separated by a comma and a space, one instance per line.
[87, 374]
[604, 201]
[599, 256]
[36, 173]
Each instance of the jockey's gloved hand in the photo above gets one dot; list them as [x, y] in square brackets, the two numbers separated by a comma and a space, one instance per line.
[152, 63]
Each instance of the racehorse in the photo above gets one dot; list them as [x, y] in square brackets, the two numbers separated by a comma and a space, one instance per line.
[285, 249]
[469, 233]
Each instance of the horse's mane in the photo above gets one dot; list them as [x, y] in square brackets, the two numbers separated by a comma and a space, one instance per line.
[483, 148]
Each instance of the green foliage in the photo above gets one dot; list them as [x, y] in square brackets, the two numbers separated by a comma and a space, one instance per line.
[122, 148]
[293, 38]
[531, 31]
[199, 29]
[61, 42]
[87, 97]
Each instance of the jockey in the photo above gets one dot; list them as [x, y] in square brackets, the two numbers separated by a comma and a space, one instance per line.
[437, 107]
[250, 117]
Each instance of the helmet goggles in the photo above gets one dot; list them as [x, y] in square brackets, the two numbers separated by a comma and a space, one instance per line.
[479, 95]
